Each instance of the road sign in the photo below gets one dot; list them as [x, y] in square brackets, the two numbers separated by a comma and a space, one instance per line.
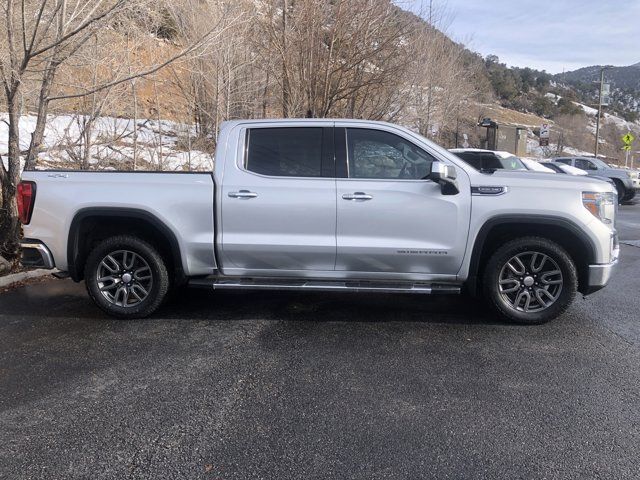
[606, 95]
[544, 135]
[627, 147]
[628, 139]
[544, 130]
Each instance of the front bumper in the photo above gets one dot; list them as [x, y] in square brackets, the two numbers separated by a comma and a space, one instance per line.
[600, 274]
[35, 254]
[628, 183]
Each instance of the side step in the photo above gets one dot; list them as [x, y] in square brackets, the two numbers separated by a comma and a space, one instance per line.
[324, 285]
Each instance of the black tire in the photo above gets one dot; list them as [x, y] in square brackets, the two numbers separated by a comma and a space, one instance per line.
[519, 312]
[629, 196]
[622, 192]
[149, 260]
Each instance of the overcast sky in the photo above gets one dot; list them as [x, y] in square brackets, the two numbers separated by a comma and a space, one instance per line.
[549, 35]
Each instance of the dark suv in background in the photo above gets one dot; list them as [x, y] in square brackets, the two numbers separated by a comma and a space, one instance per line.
[597, 168]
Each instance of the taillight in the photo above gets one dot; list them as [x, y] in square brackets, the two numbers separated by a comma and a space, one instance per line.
[26, 198]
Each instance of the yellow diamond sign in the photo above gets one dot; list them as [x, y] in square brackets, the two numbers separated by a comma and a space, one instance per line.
[628, 139]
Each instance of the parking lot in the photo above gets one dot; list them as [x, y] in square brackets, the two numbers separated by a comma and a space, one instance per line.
[292, 385]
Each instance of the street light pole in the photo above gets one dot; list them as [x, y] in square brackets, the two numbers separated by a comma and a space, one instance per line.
[599, 112]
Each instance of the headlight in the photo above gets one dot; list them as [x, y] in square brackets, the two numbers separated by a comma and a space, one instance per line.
[602, 205]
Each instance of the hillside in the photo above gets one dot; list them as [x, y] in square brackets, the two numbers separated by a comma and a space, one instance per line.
[624, 81]
[621, 77]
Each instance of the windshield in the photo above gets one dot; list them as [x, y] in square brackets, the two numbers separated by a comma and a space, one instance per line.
[511, 163]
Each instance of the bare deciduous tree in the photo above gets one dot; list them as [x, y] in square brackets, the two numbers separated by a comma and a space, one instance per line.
[39, 37]
[42, 35]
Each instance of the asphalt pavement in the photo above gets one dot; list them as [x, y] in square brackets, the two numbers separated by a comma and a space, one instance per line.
[292, 385]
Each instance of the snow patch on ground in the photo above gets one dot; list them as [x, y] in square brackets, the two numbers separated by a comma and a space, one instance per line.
[536, 152]
[586, 109]
[115, 143]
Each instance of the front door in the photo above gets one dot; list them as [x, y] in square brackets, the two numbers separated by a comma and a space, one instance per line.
[279, 202]
[390, 219]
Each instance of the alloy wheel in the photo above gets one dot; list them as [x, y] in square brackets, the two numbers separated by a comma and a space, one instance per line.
[530, 282]
[124, 278]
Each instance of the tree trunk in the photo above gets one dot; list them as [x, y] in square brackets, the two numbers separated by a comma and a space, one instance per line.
[41, 118]
[9, 222]
[285, 72]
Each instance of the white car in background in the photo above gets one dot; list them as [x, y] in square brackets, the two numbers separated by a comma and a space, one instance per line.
[536, 166]
[558, 167]
[488, 160]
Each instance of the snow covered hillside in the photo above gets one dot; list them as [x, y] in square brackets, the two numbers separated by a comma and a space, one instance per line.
[107, 143]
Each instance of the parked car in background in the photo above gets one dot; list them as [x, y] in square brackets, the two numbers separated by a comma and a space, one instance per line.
[569, 170]
[488, 160]
[563, 168]
[536, 166]
[622, 178]
[635, 178]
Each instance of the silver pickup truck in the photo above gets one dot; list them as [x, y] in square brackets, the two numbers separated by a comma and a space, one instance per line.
[329, 205]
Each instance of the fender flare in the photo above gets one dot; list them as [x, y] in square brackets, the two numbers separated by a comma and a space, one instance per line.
[73, 240]
[529, 219]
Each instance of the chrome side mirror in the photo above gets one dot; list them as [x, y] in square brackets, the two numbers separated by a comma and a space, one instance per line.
[446, 176]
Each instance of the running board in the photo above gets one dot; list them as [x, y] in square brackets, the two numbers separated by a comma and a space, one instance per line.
[324, 285]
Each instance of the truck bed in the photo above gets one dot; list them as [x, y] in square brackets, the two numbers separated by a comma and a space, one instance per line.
[183, 202]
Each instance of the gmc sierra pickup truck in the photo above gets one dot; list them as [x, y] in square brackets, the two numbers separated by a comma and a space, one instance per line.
[329, 205]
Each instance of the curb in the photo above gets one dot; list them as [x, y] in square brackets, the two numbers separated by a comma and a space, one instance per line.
[9, 280]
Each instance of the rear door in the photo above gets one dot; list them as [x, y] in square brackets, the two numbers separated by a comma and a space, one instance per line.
[279, 202]
[390, 219]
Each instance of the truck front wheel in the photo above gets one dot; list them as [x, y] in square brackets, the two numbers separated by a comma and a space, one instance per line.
[530, 280]
[622, 192]
[126, 277]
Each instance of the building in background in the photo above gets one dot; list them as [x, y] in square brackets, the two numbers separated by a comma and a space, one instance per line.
[507, 138]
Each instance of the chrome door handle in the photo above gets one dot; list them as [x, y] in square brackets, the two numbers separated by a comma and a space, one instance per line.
[357, 196]
[243, 194]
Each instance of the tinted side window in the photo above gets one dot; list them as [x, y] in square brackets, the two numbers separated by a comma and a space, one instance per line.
[585, 164]
[566, 161]
[379, 154]
[472, 159]
[285, 152]
[491, 162]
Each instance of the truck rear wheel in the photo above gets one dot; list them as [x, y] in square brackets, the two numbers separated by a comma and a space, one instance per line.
[126, 277]
[530, 280]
